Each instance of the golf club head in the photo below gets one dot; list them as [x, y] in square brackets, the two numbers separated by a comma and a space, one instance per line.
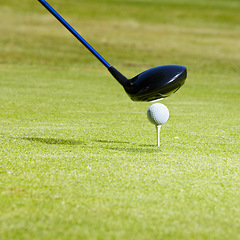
[153, 84]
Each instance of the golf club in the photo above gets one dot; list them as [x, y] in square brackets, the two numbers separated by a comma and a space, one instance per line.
[150, 85]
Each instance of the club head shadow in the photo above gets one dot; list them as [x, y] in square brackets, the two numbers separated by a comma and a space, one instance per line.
[153, 84]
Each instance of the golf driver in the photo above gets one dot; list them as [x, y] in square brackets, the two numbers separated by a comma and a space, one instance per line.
[150, 85]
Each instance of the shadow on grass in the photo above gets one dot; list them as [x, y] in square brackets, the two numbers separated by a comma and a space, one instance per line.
[123, 146]
[111, 141]
[53, 141]
[135, 149]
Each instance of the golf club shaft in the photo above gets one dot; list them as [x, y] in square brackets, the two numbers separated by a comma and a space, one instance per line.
[75, 33]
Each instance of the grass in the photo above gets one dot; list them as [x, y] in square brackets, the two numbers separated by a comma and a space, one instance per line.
[78, 158]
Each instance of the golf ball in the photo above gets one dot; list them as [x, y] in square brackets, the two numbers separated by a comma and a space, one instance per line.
[158, 113]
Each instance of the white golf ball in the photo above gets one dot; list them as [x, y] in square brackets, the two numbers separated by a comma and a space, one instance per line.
[158, 113]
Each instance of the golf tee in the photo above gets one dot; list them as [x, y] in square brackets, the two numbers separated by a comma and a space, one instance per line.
[158, 135]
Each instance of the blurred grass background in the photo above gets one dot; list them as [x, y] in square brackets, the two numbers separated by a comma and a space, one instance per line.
[78, 157]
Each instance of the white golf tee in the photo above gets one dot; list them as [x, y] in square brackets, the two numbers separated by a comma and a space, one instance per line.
[158, 135]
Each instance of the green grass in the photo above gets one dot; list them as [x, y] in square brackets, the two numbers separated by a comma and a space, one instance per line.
[78, 158]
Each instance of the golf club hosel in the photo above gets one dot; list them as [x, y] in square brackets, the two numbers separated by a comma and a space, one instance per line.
[118, 76]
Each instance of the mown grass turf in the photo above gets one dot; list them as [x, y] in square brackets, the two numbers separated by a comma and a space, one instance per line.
[78, 158]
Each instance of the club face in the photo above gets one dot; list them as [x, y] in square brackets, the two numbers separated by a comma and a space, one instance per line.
[156, 83]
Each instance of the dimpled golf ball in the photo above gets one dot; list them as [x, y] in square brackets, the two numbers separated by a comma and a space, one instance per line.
[158, 113]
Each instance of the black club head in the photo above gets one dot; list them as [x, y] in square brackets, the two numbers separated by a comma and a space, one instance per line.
[153, 84]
